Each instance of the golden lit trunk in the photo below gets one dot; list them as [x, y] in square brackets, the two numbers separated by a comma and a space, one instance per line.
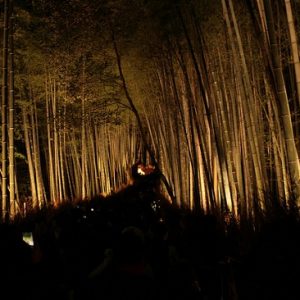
[294, 45]
[292, 155]
[11, 115]
[5, 205]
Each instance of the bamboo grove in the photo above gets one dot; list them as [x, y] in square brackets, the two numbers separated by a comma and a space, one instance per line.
[207, 91]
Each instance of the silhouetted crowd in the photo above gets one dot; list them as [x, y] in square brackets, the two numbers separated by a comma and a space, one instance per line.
[134, 245]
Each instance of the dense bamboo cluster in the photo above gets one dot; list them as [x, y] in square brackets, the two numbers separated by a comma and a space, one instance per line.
[209, 96]
[225, 126]
[79, 163]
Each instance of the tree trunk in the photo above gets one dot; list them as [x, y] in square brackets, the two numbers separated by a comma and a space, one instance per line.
[35, 149]
[83, 136]
[248, 112]
[48, 90]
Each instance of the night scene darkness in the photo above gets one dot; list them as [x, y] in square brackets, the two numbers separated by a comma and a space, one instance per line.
[150, 150]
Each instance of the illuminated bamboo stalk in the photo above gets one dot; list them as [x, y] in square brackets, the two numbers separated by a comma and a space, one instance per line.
[191, 118]
[262, 15]
[215, 186]
[221, 165]
[226, 145]
[190, 165]
[277, 146]
[225, 85]
[151, 127]
[33, 145]
[48, 92]
[57, 189]
[93, 164]
[166, 126]
[69, 169]
[29, 157]
[76, 160]
[167, 92]
[165, 139]
[89, 175]
[11, 114]
[113, 152]
[292, 155]
[228, 107]
[237, 134]
[294, 45]
[178, 105]
[175, 163]
[129, 157]
[243, 115]
[75, 169]
[99, 142]
[174, 147]
[60, 169]
[110, 152]
[99, 146]
[209, 109]
[62, 148]
[97, 158]
[119, 150]
[244, 177]
[5, 200]
[179, 186]
[17, 197]
[109, 166]
[259, 108]
[274, 151]
[208, 148]
[249, 117]
[106, 163]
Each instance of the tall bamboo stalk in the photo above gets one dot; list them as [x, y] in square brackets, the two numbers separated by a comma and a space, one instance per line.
[83, 132]
[249, 116]
[294, 45]
[292, 155]
[5, 206]
[35, 149]
[11, 113]
[48, 96]
[29, 157]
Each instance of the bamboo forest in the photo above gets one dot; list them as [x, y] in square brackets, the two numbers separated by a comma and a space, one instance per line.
[150, 149]
[207, 91]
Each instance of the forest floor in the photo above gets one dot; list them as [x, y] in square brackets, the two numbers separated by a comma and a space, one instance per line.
[131, 245]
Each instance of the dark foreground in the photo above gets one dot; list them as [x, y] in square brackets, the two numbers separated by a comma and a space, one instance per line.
[133, 245]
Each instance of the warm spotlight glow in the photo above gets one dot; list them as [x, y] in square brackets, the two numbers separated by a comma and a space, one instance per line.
[145, 170]
[140, 170]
